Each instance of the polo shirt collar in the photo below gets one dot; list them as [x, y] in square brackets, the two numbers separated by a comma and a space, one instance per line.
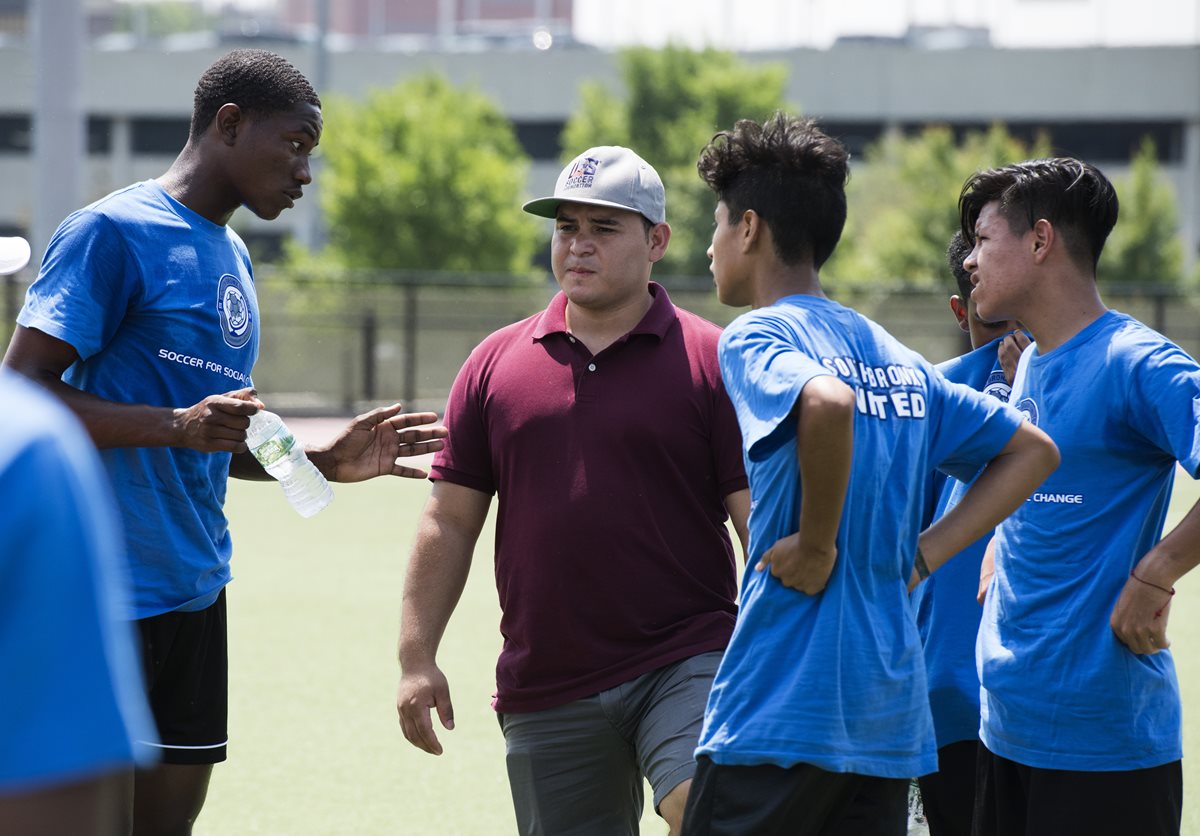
[657, 321]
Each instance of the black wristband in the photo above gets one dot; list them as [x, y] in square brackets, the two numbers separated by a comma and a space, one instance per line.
[920, 565]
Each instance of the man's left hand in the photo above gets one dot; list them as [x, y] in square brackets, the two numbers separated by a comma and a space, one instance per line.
[370, 445]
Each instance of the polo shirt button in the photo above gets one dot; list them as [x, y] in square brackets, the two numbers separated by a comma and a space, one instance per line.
[591, 367]
[569, 337]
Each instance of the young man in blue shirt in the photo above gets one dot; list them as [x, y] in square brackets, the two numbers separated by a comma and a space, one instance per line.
[946, 610]
[1080, 708]
[819, 712]
[144, 320]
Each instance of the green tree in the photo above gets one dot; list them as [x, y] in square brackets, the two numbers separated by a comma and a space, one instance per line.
[903, 205]
[1144, 247]
[674, 100]
[424, 176]
[159, 19]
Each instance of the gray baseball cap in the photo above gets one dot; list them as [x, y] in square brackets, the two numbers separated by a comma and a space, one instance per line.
[14, 254]
[607, 175]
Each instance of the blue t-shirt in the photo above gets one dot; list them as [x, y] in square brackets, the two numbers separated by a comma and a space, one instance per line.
[837, 680]
[1059, 690]
[945, 606]
[160, 305]
[71, 703]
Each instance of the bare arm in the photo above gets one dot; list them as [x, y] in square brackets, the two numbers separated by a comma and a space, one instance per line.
[1008, 480]
[737, 505]
[1140, 616]
[437, 572]
[216, 424]
[825, 445]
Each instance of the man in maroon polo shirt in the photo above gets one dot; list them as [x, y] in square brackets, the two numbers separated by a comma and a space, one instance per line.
[603, 426]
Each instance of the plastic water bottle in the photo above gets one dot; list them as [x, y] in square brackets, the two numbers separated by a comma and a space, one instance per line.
[273, 444]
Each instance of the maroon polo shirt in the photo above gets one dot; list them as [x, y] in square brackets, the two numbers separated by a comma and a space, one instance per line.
[612, 555]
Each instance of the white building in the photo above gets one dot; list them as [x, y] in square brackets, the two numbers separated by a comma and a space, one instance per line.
[1096, 103]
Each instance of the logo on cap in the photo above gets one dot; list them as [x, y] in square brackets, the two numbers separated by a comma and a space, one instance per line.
[582, 174]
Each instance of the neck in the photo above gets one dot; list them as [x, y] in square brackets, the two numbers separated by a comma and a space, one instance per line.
[598, 328]
[1077, 304]
[191, 182]
[776, 281]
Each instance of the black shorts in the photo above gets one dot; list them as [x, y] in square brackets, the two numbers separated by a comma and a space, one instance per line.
[948, 795]
[1013, 798]
[801, 800]
[186, 665]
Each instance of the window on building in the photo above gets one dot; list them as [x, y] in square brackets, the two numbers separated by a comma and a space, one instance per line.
[15, 134]
[157, 135]
[541, 140]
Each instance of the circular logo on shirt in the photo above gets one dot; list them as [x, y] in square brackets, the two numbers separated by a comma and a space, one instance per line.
[1028, 408]
[997, 386]
[236, 321]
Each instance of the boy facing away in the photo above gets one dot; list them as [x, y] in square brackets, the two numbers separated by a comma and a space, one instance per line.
[819, 712]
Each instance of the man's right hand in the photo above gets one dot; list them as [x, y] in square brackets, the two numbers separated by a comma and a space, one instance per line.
[421, 690]
[218, 423]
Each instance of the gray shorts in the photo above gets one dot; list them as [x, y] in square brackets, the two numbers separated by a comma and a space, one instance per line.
[578, 768]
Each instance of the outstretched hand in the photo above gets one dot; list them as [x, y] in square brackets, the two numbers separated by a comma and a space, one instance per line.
[371, 443]
[218, 423]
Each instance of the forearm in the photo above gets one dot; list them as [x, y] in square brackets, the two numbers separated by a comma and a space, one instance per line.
[437, 569]
[244, 466]
[437, 573]
[44, 359]
[112, 424]
[1175, 555]
[1007, 481]
[825, 447]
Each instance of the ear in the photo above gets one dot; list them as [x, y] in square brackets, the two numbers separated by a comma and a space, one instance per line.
[959, 308]
[228, 122]
[1044, 237]
[660, 236]
[750, 228]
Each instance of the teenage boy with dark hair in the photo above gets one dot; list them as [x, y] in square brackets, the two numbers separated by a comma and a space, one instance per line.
[945, 607]
[819, 712]
[1080, 704]
[144, 320]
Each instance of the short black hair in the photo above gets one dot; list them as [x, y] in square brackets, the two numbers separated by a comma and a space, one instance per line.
[1075, 197]
[791, 174]
[255, 80]
[956, 254]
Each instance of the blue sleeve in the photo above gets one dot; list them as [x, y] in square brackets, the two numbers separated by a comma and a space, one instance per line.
[970, 428]
[64, 633]
[765, 369]
[1166, 404]
[85, 286]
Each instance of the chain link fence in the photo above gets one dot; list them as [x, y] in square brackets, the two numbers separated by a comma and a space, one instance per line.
[340, 345]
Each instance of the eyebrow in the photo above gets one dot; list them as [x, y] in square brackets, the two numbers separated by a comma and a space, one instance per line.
[606, 221]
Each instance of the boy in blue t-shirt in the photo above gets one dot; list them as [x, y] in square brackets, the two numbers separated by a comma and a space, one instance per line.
[145, 321]
[945, 607]
[1080, 708]
[63, 629]
[819, 712]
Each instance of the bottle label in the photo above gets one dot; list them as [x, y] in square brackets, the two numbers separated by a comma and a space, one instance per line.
[274, 449]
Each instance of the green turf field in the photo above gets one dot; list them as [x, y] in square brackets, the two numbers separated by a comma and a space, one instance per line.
[315, 747]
